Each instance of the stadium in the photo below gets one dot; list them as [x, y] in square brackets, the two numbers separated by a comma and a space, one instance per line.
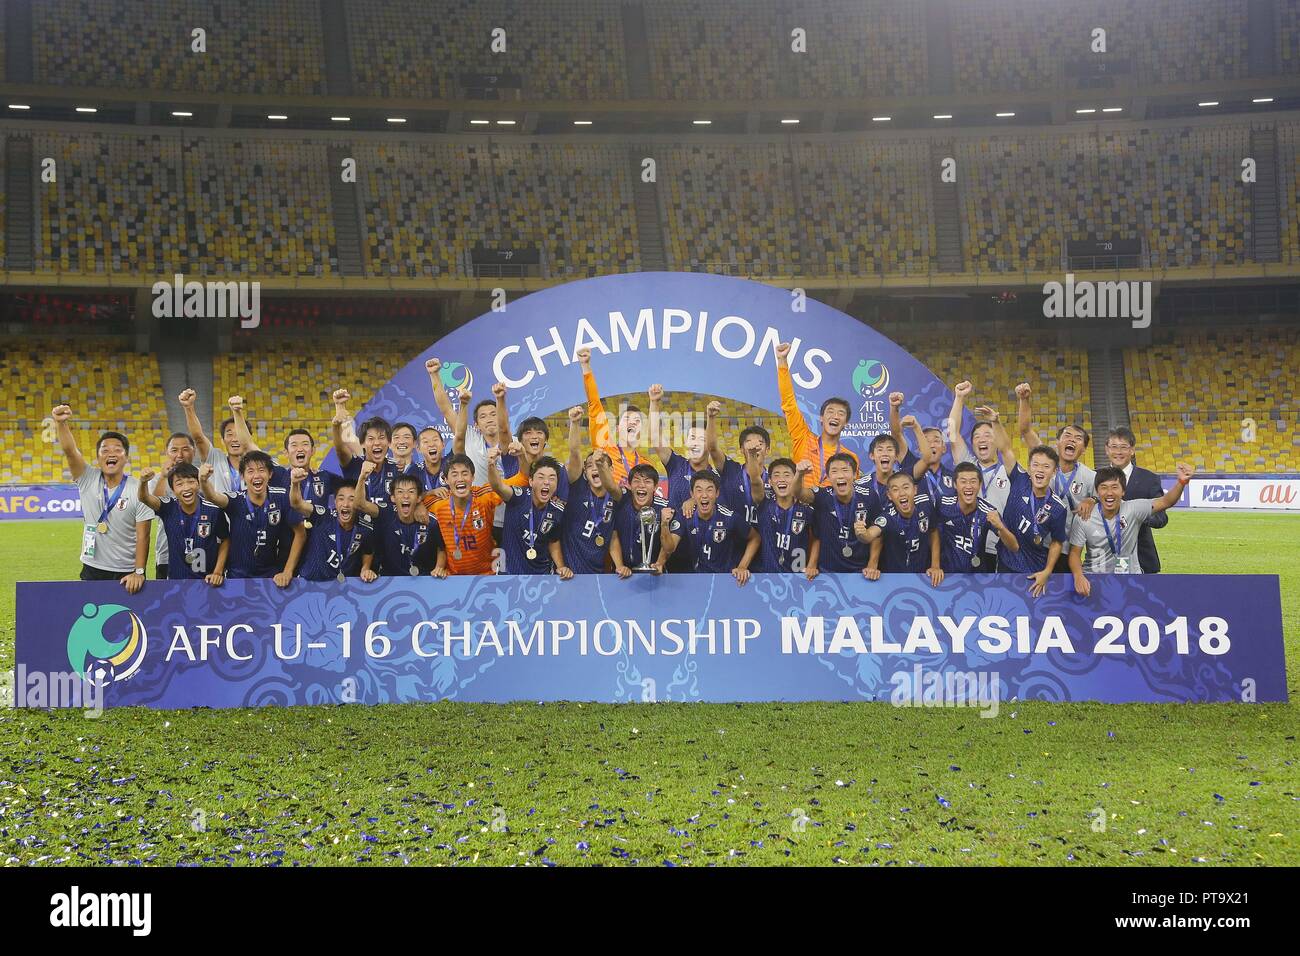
[276, 201]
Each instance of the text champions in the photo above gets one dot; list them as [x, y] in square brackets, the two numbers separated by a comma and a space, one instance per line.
[991, 635]
[731, 336]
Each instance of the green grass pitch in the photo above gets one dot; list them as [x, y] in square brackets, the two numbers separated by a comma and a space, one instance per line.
[656, 784]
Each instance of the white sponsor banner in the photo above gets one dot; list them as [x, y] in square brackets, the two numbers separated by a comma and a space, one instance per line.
[1237, 493]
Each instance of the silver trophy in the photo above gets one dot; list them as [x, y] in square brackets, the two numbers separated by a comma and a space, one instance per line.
[649, 519]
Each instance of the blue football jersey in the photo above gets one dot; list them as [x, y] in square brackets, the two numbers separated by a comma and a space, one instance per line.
[528, 527]
[1035, 521]
[834, 528]
[588, 528]
[332, 550]
[260, 535]
[635, 537]
[906, 540]
[192, 540]
[786, 535]
[400, 545]
[961, 536]
[710, 543]
[379, 486]
[316, 489]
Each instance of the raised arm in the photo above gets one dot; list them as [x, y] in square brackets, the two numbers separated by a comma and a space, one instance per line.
[598, 429]
[612, 487]
[655, 394]
[67, 441]
[341, 445]
[495, 479]
[192, 422]
[236, 403]
[896, 422]
[218, 498]
[959, 393]
[574, 464]
[364, 504]
[928, 457]
[296, 501]
[145, 494]
[1008, 539]
[1001, 439]
[802, 490]
[504, 434]
[754, 468]
[440, 397]
[1024, 416]
[795, 423]
[1175, 492]
[712, 412]
[460, 423]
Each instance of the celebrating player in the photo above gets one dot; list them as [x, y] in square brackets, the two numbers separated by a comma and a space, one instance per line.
[473, 431]
[641, 520]
[406, 540]
[336, 540]
[902, 532]
[988, 438]
[628, 436]
[963, 517]
[433, 473]
[938, 477]
[197, 532]
[844, 510]
[1036, 516]
[116, 545]
[180, 448]
[530, 536]
[464, 519]
[785, 524]
[589, 508]
[266, 534]
[1138, 483]
[701, 446]
[1073, 480]
[708, 536]
[834, 415]
[1110, 533]
[225, 465]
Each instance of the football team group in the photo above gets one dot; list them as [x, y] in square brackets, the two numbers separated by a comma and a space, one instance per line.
[400, 502]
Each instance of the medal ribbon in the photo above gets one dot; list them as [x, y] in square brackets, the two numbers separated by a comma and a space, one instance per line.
[109, 503]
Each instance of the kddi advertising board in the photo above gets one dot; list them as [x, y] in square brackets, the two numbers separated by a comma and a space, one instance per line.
[1277, 493]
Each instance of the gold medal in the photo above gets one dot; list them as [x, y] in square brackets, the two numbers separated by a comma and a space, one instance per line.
[600, 540]
[102, 527]
[531, 554]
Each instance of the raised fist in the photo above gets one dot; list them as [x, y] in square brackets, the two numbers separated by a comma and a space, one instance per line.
[147, 476]
[433, 366]
[187, 397]
[986, 412]
[515, 448]
[860, 529]
[61, 413]
[367, 468]
[803, 467]
[962, 389]
[236, 403]
[1185, 472]
[666, 515]
[584, 357]
[575, 414]
[995, 521]
[341, 396]
[713, 409]
[783, 350]
[205, 471]
[498, 390]
[299, 475]
[908, 421]
[1023, 390]
[896, 399]
[656, 393]
[494, 455]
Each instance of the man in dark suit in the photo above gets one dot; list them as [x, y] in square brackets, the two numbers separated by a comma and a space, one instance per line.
[1141, 483]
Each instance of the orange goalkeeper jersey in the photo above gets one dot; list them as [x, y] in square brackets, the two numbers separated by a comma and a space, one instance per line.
[468, 530]
[806, 445]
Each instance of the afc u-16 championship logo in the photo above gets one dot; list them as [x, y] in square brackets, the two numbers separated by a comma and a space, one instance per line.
[111, 659]
[456, 378]
[870, 382]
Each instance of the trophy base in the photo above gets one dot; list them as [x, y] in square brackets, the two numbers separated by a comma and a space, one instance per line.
[645, 570]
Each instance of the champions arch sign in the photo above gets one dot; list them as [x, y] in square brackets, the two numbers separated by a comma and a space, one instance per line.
[690, 332]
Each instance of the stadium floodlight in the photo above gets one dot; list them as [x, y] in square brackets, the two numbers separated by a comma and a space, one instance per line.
[183, 114]
[341, 119]
[1004, 115]
[789, 122]
[87, 109]
[1263, 99]
[276, 116]
[943, 116]
[582, 122]
[397, 119]
[1209, 103]
[480, 122]
[881, 119]
[702, 122]
[1112, 109]
[505, 122]
[1087, 109]
[19, 106]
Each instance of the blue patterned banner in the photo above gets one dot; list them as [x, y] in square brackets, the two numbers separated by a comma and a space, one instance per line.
[678, 637]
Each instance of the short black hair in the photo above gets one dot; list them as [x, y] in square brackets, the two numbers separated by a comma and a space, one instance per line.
[224, 425]
[488, 402]
[835, 400]
[644, 470]
[700, 476]
[783, 463]
[980, 424]
[300, 431]
[845, 457]
[182, 469]
[1124, 433]
[375, 424]
[406, 479]
[629, 408]
[407, 425]
[932, 430]
[256, 458]
[461, 459]
[1087, 439]
[758, 430]
[965, 466]
[1110, 473]
[545, 461]
[106, 436]
[533, 424]
[1047, 450]
[184, 436]
[900, 474]
[431, 428]
[880, 440]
